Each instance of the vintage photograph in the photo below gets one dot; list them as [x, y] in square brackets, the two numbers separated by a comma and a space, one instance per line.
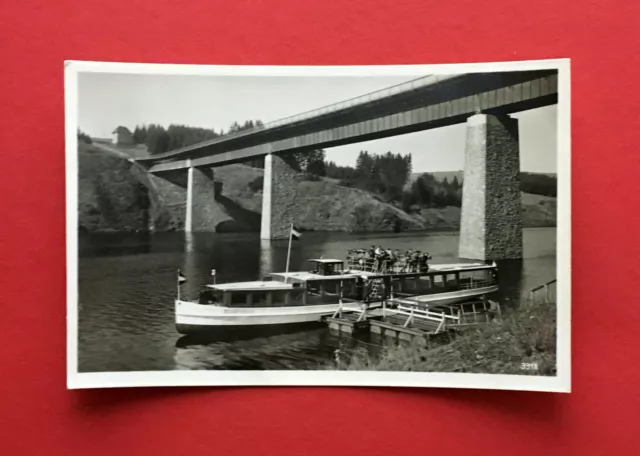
[383, 225]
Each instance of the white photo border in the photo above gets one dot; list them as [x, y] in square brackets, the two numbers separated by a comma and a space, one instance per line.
[559, 383]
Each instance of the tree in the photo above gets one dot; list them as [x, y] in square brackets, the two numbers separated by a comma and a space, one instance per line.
[314, 162]
[85, 138]
[157, 139]
[140, 134]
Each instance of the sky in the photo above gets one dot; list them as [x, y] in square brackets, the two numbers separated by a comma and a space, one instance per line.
[107, 100]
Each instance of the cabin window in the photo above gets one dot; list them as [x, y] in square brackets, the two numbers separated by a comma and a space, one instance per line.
[240, 298]
[261, 298]
[473, 279]
[438, 281]
[423, 284]
[280, 297]
[297, 297]
[349, 289]
[211, 297]
[451, 281]
[331, 287]
[313, 287]
[408, 284]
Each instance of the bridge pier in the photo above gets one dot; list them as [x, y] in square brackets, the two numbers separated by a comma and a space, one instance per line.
[203, 212]
[279, 193]
[491, 220]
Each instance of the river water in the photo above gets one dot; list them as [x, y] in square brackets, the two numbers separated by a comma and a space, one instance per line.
[127, 284]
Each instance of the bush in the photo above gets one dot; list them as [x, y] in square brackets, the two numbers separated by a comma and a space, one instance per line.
[311, 177]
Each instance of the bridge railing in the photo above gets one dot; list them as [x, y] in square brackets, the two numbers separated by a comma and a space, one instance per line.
[378, 94]
[362, 99]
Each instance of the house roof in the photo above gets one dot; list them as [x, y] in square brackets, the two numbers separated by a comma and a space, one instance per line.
[121, 129]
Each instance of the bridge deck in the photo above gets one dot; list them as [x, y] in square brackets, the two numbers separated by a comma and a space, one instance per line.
[427, 102]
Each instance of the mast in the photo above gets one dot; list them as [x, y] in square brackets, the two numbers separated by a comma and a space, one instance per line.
[286, 277]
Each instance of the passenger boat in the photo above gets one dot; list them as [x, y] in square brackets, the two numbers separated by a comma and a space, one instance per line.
[307, 296]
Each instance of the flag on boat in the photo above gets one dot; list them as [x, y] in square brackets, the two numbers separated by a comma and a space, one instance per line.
[295, 234]
[181, 278]
[213, 272]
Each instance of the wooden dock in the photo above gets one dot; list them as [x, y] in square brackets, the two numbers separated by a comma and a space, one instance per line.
[349, 322]
[408, 320]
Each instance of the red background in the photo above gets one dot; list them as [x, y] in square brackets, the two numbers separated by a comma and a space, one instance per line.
[38, 415]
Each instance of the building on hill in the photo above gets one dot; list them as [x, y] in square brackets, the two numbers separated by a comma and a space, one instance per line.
[122, 135]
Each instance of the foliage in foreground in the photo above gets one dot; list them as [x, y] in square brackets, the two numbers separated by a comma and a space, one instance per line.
[510, 344]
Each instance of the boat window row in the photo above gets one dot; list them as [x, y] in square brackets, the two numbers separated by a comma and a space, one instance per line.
[316, 292]
[446, 281]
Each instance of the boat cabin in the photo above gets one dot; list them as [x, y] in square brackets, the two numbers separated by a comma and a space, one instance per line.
[252, 294]
[445, 278]
[327, 267]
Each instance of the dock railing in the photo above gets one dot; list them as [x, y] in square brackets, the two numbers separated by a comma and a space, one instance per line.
[477, 284]
[544, 293]
[412, 313]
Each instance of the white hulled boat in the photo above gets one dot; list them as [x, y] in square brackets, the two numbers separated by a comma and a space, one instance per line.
[307, 296]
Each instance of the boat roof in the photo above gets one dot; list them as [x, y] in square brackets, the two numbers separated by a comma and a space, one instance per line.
[326, 260]
[251, 286]
[304, 276]
[459, 266]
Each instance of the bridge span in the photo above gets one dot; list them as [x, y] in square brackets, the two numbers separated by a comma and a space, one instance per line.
[491, 224]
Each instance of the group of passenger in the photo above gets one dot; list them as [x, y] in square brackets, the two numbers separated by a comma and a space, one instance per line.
[378, 258]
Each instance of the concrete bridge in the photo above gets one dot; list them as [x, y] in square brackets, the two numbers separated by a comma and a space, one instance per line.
[491, 225]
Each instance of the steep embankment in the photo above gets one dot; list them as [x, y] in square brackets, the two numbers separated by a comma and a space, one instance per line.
[537, 211]
[109, 198]
[114, 194]
[117, 195]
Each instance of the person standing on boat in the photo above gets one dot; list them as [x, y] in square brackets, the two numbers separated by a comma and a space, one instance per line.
[426, 258]
[390, 258]
[407, 260]
[415, 261]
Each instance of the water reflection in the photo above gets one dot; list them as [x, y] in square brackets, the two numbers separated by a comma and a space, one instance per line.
[310, 349]
[248, 333]
[267, 257]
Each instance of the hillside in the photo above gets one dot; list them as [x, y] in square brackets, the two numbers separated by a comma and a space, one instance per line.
[117, 195]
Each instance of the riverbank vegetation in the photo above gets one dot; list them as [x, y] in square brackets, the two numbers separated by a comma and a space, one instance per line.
[520, 341]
